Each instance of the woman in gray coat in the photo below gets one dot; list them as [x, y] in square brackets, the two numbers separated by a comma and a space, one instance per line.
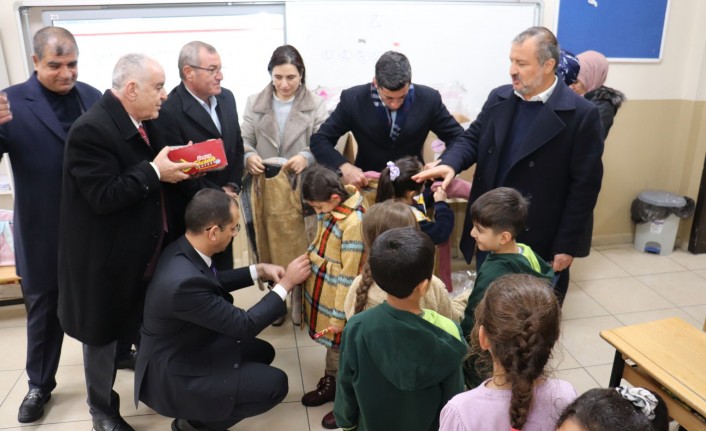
[279, 120]
[277, 125]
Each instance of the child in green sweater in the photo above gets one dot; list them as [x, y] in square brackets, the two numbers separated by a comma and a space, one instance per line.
[399, 363]
[498, 217]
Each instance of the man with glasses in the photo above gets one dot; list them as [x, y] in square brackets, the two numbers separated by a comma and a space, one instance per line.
[196, 110]
[200, 360]
[389, 118]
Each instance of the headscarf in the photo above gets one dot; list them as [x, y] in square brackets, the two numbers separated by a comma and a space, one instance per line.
[594, 69]
[568, 68]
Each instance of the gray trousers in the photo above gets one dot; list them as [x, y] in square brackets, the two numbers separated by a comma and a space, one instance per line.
[99, 369]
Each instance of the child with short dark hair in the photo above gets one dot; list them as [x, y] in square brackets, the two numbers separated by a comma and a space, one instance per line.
[498, 217]
[396, 183]
[517, 324]
[399, 363]
[621, 408]
[336, 257]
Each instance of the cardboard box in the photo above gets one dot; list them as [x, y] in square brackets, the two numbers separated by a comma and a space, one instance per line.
[208, 155]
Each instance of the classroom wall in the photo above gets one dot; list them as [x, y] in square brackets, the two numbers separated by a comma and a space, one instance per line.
[659, 136]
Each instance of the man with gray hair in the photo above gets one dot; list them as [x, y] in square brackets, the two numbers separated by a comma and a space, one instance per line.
[43, 109]
[389, 118]
[199, 109]
[113, 223]
[539, 137]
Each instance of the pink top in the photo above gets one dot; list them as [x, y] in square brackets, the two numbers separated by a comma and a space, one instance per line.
[488, 409]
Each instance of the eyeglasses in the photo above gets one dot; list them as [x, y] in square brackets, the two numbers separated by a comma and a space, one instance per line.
[235, 229]
[211, 70]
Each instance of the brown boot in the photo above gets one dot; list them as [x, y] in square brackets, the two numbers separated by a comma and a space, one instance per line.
[329, 421]
[325, 391]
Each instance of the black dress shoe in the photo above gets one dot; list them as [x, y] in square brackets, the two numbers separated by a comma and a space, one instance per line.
[32, 407]
[185, 425]
[128, 362]
[116, 423]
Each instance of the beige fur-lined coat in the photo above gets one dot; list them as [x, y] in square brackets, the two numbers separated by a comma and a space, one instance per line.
[261, 133]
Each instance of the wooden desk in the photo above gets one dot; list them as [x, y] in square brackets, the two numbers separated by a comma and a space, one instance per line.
[669, 354]
[9, 276]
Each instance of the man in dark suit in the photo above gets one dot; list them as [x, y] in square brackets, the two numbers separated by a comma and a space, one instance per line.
[540, 138]
[5, 112]
[389, 118]
[112, 223]
[43, 109]
[199, 360]
[199, 109]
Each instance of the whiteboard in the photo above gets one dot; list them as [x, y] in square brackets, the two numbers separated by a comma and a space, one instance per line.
[463, 42]
[103, 36]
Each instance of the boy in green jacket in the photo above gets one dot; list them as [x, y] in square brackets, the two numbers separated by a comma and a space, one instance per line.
[399, 364]
[498, 217]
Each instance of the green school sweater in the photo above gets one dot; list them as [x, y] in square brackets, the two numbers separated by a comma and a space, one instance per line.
[397, 370]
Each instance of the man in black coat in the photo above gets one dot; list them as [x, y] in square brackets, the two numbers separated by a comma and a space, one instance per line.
[540, 138]
[44, 108]
[196, 110]
[389, 118]
[112, 223]
[199, 360]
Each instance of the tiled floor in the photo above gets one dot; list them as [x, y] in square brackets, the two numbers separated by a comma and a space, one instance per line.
[614, 286]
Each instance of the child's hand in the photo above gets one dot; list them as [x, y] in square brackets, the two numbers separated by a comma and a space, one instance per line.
[336, 328]
[439, 195]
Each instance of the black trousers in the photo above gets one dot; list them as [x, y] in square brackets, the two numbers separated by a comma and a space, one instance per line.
[44, 335]
[260, 386]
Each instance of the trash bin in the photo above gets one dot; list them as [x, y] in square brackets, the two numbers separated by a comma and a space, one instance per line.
[656, 215]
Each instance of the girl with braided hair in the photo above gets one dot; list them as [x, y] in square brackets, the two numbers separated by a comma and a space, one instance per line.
[516, 326]
[364, 293]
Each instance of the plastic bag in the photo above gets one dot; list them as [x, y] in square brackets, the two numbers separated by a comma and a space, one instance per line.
[462, 281]
[643, 212]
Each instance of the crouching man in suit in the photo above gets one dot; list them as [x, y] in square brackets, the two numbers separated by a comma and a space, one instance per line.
[199, 360]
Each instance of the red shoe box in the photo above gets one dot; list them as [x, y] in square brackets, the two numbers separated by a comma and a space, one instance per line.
[208, 155]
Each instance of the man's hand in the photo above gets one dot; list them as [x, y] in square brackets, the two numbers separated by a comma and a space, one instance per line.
[269, 272]
[5, 113]
[297, 271]
[171, 172]
[439, 171]
[254, 165]
[230, 191]
[353, 175]
[561, 262]
[432, 164]
[296, 164]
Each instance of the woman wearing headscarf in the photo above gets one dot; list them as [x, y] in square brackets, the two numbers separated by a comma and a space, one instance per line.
[589, 84]
[568, 68]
